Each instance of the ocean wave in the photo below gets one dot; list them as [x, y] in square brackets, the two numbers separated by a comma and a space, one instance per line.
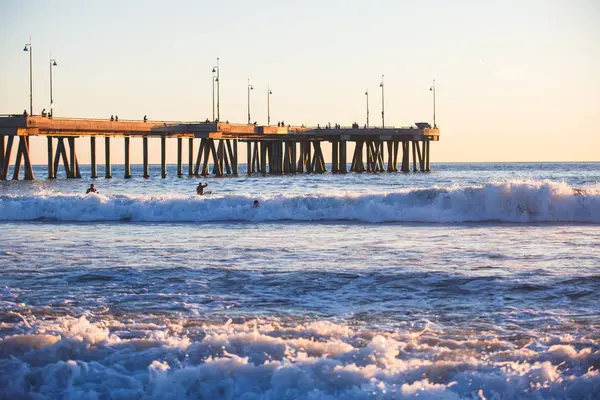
[67, 357]
[514, 201]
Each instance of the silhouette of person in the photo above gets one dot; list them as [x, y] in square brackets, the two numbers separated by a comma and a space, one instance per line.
[200, 188]
[112, 118]
[91, 189]
[145, 118]
[256, 204]
[116, 117]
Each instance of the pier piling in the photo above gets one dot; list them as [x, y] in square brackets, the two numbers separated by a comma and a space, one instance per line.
[269, 150]
[127, 174]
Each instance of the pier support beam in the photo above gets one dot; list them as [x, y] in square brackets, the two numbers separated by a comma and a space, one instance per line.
[390, 148]
[221, 158]
[23, 154]
[75, 172]
[414, 153]
[427, 157]
[249, 161]
[233, 155]
[335, 149]
[263, 158]
[190, 156]
[61, 154]
[127, 173]
[405, 157]
[163, 157]
[318, 162]
[145, 156]
[179, 155]
[93, 157]
[3, 159]
[342, 169]
[51, 172]
[108, 167]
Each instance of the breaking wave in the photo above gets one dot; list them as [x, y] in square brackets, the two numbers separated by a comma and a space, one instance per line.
[516, 201]
[269, 359]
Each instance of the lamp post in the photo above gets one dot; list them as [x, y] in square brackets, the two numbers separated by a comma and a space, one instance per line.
[28, 47]
[218, 80]
[269, 93]
[250, 87]
[382, 104]
[367, 95]
[52, 64]
[214, 81]
[432, 89]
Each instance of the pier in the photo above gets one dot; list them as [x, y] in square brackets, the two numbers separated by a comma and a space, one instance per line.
[272, 150]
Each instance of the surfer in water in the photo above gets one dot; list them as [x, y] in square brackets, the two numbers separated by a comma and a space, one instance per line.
[91, 189]
[255, 204]
[200, 188]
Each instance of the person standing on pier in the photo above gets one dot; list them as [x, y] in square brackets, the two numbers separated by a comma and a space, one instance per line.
[200, 188]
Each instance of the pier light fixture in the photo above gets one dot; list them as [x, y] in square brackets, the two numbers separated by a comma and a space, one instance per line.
[217, 79]
[52, 65]
[214, 82]
[432, 89]
[29, 48]
[269, 93]
[250, 87]
[367, 96]
[382, 104]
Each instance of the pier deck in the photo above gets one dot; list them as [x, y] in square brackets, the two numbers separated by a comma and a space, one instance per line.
[270, 149]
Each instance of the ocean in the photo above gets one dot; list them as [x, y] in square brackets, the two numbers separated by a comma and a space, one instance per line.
[474, 281]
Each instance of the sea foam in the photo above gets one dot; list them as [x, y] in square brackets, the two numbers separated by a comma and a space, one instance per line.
[516, 201]
[269, 359]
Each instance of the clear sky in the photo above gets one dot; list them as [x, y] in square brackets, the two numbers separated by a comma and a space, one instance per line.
[516, 80]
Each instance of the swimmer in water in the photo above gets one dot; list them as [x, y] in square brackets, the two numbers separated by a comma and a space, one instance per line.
[255, 204]
[91, 189]
[200, 188]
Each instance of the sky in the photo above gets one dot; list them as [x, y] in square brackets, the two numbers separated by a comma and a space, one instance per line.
[515, 80]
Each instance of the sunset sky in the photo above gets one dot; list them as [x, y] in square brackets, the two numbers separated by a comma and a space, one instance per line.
[516, 80]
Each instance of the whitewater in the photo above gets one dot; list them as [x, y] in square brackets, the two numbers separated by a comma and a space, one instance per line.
[475, 281]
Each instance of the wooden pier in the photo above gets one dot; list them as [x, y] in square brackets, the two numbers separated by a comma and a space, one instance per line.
[270, 149]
